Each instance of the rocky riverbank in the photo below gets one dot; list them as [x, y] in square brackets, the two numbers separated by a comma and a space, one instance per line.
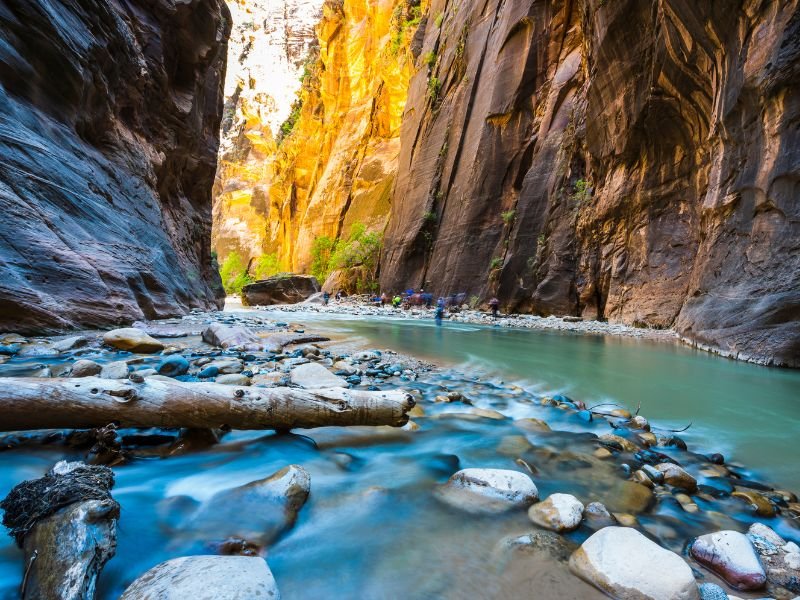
[592, 499]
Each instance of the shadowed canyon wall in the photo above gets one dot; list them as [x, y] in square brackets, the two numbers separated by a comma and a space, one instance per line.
[634, 161]
[109, 127]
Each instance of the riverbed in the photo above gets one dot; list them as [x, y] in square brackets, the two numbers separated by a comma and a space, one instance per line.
[372, 527]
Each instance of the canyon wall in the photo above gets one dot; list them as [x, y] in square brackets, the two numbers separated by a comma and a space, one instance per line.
[337, 166]
[109, 125]
[271, 43]
[633, 161]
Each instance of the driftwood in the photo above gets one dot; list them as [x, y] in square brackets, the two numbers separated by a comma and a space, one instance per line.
[28, 403]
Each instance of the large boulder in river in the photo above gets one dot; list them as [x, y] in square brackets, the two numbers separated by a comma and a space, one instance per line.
[731, 556]
[226, 336]
[626, 565]
[488, 490]
[281, 289]
[132, 340]
[206, 578]
[257, 512]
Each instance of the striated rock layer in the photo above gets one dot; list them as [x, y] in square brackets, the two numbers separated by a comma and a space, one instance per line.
[634, 161]
[109, 125]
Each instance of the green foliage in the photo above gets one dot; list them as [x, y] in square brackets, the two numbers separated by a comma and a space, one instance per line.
[429, 217]
[288, 125]
[582, 191]
[474, 301]
[434, 89]
[508, 216]
[321, 251]
[439, 20]
[404, 18]
[429, 58]
[496, 263]
[233, 273]
[362, 248]
[267, 265]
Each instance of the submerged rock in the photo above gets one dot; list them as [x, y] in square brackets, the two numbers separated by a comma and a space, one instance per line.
[626, 565]
[173, 366]
[488, 490]
[257, 512]
[132, 340]
[206, 578]
[559, 512]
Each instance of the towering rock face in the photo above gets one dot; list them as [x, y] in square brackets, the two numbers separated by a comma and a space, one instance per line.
[635, 161]
[109, 121]
[337, 167]
[271, 43]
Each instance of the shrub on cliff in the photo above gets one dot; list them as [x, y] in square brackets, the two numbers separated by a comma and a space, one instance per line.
[361, 249]
[233, 273]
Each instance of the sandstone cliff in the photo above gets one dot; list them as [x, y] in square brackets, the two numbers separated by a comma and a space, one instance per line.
[635, 161]
[271, 42]
[337, 167]
[109, 124]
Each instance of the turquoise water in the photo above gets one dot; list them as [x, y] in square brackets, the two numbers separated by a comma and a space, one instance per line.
[749, 413]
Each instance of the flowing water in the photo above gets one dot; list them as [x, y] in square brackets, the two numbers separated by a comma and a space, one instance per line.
[372, 527]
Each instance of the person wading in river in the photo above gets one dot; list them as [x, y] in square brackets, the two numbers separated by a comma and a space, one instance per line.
[494, 304]
[439, 314]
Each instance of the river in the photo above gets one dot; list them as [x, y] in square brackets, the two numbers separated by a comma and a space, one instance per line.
[372, 529]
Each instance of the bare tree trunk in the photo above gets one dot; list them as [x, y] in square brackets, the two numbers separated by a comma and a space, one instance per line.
[62, 403]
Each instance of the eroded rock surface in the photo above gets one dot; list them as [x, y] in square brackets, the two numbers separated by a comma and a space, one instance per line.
[281, 289]
[109, 120]
[623, 160]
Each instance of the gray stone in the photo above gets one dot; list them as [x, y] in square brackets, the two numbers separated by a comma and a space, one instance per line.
[115, 370]
[206, 578]
[488, 490]
[70, 343]
[85, 368]
[233, 379]
[132, 340]
[313, 375]
[559, 512]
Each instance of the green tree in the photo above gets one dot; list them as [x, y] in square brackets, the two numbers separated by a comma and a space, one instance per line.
[233, 273]
[267, 265]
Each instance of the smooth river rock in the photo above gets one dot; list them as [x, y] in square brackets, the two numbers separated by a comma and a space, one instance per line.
[225, 336]
[257, 512]
[626, 565]
[559, 512]
[488, 490]
[312, 375]
[132, 340]
[85, 368]
[677, 476]
[781, 559]
[206, 578]
[731, 555]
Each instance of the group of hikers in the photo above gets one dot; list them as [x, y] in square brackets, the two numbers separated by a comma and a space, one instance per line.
[411, 298]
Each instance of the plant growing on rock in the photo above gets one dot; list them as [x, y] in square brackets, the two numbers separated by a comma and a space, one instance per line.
[508, 216]
[582, 191]
[267, 265]
[233, 273]
[429, 58]
[434, 89]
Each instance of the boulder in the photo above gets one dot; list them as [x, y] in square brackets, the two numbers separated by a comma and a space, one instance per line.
[781, 560]
[312, 375]
[70, 343]
[559, 512]
[731, 556]
[597, 516]
[275, 342]
[257, 512]
[281, 289]
[132, 340]
[85, 368]
[626, 565]
[206, 578]
[488, 490]
[225, 336]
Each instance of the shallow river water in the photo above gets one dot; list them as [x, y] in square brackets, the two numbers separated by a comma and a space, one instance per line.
[372, 527]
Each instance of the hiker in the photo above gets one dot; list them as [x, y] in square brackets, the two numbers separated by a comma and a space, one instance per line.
[384, 299]
[439, 314]
[325, 298]
[396, 301]
[494, 304]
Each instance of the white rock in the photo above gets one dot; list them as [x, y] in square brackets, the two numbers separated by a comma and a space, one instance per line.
[792, 560]
[791, 547]
[85, 368]
[206, 578]
[559, 512]
[488, 490]
[115, 370]
[731, 556]
[626, 565]
[313, 375]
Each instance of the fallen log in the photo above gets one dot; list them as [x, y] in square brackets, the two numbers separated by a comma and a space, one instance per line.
[28, 403]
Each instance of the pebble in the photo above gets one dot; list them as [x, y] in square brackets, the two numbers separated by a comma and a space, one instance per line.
[115, 370]
[677, 476]
[210, 371]
[85, 368]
